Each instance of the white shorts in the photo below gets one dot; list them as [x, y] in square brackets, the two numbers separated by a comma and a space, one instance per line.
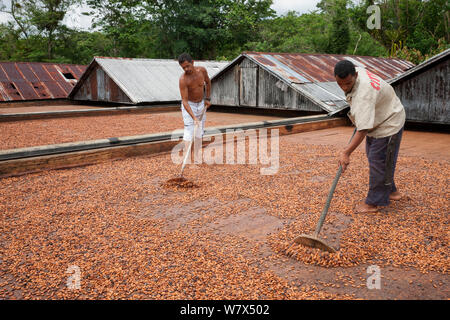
[197, 109]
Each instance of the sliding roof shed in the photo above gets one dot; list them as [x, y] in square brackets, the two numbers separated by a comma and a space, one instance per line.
[23, 81]
[134, 81]
[302, 82]
[425, 90]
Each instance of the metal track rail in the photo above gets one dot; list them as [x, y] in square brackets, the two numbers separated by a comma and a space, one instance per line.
[130, 140]
[17, 162]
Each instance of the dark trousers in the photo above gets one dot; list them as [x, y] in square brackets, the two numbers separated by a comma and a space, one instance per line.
[381, 183]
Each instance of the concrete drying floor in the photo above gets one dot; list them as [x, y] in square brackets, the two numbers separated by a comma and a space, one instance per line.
[131, 238]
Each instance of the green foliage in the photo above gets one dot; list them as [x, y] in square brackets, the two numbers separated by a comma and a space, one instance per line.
[205, 28]
[340, 32]
[362, 44]
[409, 28]
[221, 29]
[313, 33]
[121, 21]
[81, 46]
[415, 55]
[307, 33]
[38, 19]
[8, 41]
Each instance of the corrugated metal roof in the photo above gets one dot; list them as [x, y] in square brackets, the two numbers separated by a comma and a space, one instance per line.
[37, 80]
[428, 63]
[313, 74]
[302, 68]
[146, 80]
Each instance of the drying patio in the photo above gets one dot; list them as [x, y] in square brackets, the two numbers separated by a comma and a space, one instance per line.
[134, 239]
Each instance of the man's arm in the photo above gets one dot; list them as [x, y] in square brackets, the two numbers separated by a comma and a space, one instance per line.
[207, 87]
[184, 98]
[363, 110]
[344, 159]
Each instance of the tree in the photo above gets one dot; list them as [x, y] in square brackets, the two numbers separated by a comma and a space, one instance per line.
[243, 21]
[122, 21]
[306, 33]
[221, 29]
[80, 47]
[339, 37]
[416, 28]
[8, 41]
[18, 12]
[40, 18]
[206, 28]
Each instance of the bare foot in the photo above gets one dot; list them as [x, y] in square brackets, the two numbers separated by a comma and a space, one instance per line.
[365, 208]
[395, 196]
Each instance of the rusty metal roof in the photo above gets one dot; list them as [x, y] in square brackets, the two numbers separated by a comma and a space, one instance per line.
[304, 68]
[313, 74]
[37, 80]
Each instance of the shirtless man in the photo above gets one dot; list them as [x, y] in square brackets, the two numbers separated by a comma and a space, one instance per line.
[193, 83]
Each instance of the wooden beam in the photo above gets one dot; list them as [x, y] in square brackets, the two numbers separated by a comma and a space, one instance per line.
[81, 158]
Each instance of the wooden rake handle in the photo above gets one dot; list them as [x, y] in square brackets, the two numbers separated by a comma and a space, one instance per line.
[192, 142]
[330, 196]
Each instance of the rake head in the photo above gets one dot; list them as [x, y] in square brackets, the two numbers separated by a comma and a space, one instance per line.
[313, 242]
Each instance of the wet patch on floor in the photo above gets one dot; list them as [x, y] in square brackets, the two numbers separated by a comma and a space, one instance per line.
[178, 215]
[254, 224]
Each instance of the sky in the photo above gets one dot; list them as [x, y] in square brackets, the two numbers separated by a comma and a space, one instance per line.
[302, 6]
[78, 21]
